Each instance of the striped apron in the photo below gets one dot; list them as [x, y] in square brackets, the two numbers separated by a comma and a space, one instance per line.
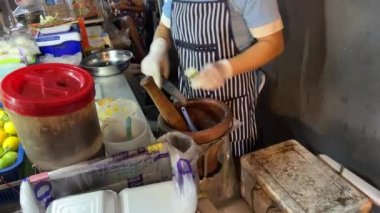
[202, 33]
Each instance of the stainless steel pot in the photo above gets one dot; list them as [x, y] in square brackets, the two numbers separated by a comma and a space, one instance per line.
[107, 62]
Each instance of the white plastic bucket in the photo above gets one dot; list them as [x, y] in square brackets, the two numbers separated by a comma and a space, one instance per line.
[112, 110]
[115, 136]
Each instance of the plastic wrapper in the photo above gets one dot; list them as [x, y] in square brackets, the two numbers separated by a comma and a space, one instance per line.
[222, 186]
[18, 49]
[184, 154]
[127, 169]
[65, 59]
[171, 159]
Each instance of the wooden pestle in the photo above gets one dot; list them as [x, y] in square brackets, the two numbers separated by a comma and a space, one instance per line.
[166, 108]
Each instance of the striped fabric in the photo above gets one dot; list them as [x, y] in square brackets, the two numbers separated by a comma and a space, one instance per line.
[202, 33]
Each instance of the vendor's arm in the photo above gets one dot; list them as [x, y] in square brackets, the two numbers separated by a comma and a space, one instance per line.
[264, 22]
[163, 32]
[265, 25]
[156, 63]
[214, 75]
[266, 49]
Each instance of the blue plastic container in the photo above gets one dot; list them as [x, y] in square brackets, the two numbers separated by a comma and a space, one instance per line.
[11, 174]
[60, 43]
[65, 48]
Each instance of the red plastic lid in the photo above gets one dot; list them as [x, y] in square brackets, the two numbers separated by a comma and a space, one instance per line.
[47, 89]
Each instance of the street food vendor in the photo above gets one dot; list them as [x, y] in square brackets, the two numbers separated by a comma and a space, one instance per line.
[226, 41]
[130, 15]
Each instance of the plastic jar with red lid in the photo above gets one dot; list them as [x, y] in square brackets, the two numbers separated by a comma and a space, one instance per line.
[53, 109]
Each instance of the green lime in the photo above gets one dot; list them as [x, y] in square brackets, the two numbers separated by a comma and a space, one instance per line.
[5, 162]
[2, 163]
[11, 156]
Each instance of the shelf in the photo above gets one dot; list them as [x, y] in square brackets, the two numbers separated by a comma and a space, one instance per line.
[94, 21]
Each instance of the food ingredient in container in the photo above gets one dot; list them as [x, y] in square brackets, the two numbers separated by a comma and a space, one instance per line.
[52, 107]
[111, 110]
[115, 136]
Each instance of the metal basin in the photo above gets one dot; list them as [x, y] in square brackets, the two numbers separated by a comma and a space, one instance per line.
[107, 62]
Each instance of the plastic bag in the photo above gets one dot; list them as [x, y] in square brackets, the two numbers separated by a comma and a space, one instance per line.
[65, 59]
[18, 49]
[222, 186]
[184, 153]
[127, 169]
[173, 158]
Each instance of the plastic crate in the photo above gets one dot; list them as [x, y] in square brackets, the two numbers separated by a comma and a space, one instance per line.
[10, 175]
[10, 193]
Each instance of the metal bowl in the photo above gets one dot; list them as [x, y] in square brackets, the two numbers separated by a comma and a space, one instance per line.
[107, 62]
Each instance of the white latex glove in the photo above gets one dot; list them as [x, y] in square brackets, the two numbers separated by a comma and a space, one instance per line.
[156, 62]
[213, 75]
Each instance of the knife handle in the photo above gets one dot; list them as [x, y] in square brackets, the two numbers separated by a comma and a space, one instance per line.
[166, 108]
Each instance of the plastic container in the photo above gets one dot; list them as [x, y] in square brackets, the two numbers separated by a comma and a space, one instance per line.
[115, 140]
[129, 200]
[11, 174]
[111, 110]
[53, 109]
[163, 198]
[8, 68]
[59, 43]
[93, 202]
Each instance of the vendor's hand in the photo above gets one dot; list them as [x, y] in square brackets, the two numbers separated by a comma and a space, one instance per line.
[156, 63]
[115, 6]
[213, 75]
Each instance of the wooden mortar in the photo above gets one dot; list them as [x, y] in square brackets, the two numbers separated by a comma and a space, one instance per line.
[212, 118]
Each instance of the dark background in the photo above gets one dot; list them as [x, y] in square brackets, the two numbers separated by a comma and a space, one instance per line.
[324, 90]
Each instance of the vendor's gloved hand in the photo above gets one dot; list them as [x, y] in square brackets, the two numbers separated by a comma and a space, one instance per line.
[156, 62]
[213, 75]
[115, 6]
